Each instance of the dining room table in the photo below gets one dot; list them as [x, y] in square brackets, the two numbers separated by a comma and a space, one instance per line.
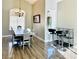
[21, 33]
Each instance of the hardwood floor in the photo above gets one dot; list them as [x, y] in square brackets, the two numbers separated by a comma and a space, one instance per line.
[5, 48]
[34, 52]
[38, 50]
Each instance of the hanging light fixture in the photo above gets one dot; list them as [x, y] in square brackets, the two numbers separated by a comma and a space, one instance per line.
[19, 13]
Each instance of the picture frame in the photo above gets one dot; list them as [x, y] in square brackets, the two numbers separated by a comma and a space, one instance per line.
[36, 18]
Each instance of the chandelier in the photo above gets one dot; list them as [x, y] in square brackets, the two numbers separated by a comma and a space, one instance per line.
[19, 13]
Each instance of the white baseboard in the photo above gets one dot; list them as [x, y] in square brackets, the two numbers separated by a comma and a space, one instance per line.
[48, 40]
[6, 35]
[33, 35]
[41, 38]
[38, 37]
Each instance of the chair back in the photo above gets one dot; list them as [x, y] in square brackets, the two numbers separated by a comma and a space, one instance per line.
[12, 33]
[59, 32]
[26, 36]
[52, 31]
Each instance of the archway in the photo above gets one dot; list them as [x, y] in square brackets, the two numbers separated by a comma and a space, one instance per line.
[15, 20]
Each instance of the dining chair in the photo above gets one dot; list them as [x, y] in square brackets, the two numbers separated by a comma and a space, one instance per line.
[16, 40]
[27, 39]
[52, 32]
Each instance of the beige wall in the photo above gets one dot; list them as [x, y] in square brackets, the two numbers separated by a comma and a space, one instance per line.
[67, 15]
[9, 4]
[39, 8]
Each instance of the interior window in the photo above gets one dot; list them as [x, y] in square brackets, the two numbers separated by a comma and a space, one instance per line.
[16, 20]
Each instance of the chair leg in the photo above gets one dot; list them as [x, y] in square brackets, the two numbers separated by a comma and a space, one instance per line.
[23, 44]
[23, 47]
[12, 42]
[29, 44]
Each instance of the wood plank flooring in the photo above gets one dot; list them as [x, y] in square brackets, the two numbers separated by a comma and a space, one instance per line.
[5, 47]
[38, 50]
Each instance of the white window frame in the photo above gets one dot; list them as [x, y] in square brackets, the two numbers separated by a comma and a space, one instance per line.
[15, 20]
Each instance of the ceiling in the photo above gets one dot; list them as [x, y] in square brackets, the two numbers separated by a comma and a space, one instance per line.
[31, 1]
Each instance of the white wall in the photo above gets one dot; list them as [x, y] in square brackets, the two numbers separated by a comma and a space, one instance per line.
[50, 11]
[39, 8]
[7, 5]
[67, 16]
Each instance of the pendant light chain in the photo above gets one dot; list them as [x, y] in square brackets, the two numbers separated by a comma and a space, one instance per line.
[19, 8]
[20, 12]
[20, 5]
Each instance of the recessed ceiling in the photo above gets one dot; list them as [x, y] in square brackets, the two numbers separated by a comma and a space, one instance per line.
[31, 1]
